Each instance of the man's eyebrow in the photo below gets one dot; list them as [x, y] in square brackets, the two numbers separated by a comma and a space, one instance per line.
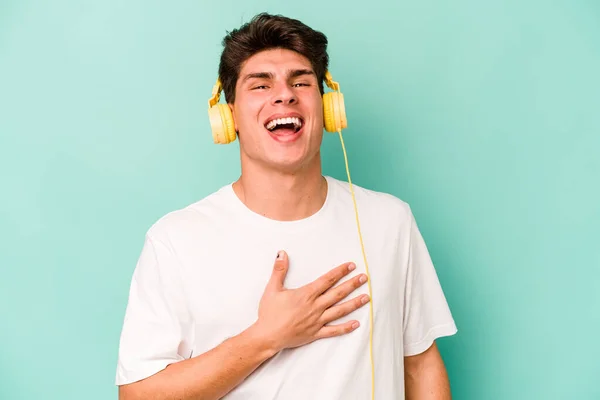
[299, 72]
[258, 75]
[267, 75]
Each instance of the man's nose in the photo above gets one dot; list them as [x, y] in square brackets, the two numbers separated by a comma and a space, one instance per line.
[284, 95]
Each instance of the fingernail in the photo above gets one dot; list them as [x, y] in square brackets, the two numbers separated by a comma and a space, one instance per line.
[351, 267]
[363, 279]
[355, 325]
[279, 255]
[365, 299]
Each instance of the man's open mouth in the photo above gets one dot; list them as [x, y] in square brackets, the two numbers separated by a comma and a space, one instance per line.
[284, 126]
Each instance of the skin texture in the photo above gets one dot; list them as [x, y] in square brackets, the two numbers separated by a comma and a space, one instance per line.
[281, 178]
[426, 377]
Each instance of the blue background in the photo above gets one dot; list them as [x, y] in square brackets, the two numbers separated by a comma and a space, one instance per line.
[483, 115]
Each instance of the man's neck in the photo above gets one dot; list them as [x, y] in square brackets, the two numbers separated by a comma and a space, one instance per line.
[282, 196]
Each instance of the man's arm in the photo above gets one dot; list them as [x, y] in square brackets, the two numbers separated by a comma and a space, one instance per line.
[208, 376]
[286, 319]
[426, 377]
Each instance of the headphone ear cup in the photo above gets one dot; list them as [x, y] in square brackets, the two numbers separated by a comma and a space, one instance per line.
[221, 123]
[334, 112]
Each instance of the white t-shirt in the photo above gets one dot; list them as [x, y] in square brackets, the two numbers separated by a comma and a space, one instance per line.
[204, 268]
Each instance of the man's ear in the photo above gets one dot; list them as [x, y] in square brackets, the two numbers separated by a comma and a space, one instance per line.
[231, 107]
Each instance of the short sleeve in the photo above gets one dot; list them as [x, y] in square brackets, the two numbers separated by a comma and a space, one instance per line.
[157, 328]
[427, 315]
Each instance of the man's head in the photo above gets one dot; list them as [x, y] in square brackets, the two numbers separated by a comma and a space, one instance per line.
[266, 31]
[272, 71]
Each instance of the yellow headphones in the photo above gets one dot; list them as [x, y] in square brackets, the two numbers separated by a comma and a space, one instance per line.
[334, 118]
[223, 127]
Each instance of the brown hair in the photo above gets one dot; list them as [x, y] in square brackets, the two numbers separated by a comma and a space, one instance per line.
[266, 31]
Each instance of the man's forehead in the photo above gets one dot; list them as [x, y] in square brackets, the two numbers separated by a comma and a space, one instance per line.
[276, 62]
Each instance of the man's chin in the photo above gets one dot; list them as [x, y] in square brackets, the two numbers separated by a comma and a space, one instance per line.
[286, 159]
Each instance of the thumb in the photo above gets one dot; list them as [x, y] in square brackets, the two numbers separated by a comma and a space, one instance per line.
[279, 271]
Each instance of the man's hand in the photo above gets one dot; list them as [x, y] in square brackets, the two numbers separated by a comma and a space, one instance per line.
[296, 317]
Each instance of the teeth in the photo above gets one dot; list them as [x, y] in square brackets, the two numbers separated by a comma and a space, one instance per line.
[282, 121]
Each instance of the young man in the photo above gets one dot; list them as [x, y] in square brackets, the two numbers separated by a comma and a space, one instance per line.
[259, 290]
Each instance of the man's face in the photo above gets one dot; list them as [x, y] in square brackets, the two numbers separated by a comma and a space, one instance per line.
[278, 110]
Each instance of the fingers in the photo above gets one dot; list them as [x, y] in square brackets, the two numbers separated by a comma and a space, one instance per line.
[336, 330]
[334, 295]
[343, 309]
[280, 269]
[331, 278]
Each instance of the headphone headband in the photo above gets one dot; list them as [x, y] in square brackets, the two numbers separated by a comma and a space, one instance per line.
[216, 93]
[331, 84]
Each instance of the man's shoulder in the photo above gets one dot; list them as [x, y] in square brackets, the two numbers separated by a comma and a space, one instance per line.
[373, 201]
[193, 215]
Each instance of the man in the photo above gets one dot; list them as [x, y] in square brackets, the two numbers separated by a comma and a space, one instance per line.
[259, 291]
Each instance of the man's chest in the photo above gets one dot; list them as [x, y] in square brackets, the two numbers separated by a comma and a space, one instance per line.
[226, 278]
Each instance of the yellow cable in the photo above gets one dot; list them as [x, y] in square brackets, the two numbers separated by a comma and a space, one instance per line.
[367, 268]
